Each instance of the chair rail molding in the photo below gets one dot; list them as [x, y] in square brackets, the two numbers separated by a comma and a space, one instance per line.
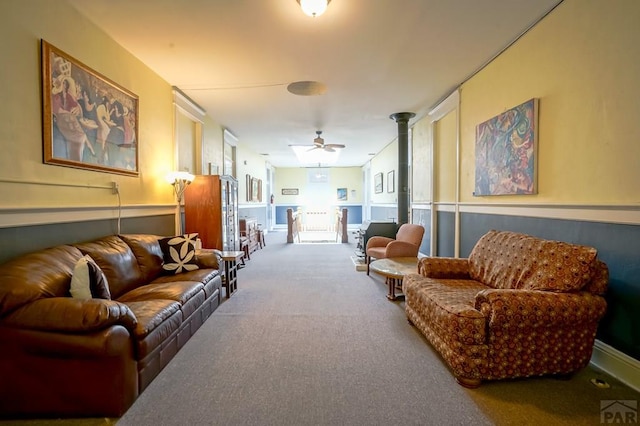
[14, 217]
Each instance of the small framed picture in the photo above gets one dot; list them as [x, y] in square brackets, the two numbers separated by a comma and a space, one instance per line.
[377, 183]
[391, 181]
[342, 194]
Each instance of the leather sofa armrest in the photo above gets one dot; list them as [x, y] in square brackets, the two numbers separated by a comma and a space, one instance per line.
[522, 309]
[67, 314]
[444, 267]
[402, 249]
[209, 258]
[378, 241]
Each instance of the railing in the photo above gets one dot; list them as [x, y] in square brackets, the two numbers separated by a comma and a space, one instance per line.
[341, 226]
[317, 220]
[293, 225]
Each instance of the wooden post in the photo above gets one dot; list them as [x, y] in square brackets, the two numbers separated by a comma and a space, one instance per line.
[290, 226]
[345, 235]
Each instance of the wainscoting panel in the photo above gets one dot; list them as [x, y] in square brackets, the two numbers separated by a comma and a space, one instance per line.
[445, 239]
[18, 240]
[422, 216]
[384, 213]
[258, 212]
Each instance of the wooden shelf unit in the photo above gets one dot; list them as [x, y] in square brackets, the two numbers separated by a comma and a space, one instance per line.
[211, 210]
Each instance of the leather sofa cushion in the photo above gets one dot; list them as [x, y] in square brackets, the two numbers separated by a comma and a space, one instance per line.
[147, 250]
[157, 321]
[46, 273]
[199, 275]
[189, 294]
[117, 261]
[180, 291]
[503, 259]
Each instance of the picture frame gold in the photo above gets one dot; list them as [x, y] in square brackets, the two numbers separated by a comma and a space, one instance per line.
[89, 121]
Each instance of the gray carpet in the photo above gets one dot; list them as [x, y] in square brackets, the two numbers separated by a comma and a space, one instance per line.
[308, 340]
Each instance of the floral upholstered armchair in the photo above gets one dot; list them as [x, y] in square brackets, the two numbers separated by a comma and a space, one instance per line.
[519, 306]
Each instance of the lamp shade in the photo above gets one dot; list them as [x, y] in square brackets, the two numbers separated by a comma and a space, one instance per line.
[174, 177]
[314, 7]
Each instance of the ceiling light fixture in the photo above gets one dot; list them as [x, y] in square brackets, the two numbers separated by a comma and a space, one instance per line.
[314, 8]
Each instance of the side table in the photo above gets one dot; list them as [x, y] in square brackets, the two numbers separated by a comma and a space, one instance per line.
[230, 278]
[394, 269]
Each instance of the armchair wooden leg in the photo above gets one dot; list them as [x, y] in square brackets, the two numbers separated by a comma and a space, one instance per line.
[468, 383]
[367, 260]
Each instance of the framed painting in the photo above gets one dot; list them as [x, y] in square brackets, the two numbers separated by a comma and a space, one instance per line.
[89, 122]
[506, 159]
[342, 194]
[377, 183]
[290, 191]
[391, 181]
[255, 188]
[249, 197]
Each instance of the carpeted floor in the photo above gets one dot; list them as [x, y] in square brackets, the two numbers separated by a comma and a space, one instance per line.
[308, 340]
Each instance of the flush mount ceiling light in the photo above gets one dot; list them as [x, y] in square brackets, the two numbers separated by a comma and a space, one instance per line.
[307, 88]
[313, 8]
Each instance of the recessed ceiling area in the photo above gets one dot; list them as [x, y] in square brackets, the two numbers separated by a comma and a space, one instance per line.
[352, 67]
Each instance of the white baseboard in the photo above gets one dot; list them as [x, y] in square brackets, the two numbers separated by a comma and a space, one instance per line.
[617, 364]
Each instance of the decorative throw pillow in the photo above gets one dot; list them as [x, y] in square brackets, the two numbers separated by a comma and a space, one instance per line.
[179, 253]
[88, 280]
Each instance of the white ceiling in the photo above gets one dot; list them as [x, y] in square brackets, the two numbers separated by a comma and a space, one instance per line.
[235, 59]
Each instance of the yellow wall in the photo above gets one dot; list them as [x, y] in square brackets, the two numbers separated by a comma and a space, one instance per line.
[253, 164]
[421, 143]
[445, 141]
[582, 63]
[384, 162]
[24, 23]
[212, 146]
[314, 194]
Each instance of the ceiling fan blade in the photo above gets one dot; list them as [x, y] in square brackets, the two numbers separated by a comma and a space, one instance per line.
[335, 145]
[329, 149]
[313, 147]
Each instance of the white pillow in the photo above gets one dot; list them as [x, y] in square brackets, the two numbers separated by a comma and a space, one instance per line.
[88, 280]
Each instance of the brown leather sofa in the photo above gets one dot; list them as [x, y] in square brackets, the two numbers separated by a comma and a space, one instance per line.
[69, 357]
[519, 306]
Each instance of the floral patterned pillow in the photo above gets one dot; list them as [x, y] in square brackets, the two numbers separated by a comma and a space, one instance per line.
[179, 253]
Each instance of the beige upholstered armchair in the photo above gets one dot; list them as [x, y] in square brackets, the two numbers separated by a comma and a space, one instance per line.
[406, 244]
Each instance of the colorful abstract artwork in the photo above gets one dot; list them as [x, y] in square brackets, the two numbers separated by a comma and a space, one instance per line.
[506, 152]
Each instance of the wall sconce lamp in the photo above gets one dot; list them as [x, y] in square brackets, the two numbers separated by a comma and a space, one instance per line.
[180, 181]
[314, 8]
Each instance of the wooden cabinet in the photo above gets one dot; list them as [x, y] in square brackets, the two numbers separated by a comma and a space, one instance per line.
[211, 210]
[249, 229]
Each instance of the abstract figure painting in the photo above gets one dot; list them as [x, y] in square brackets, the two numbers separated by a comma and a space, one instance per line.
[506, 145]
[89, 121]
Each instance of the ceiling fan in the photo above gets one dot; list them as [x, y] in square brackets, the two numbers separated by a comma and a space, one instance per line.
[318, 143]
